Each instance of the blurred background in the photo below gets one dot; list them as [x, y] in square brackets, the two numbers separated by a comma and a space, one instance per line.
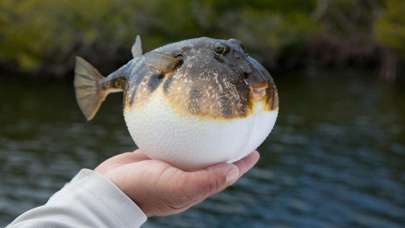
[336, 157]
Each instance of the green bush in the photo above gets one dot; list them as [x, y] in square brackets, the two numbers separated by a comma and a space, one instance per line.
[46, 34]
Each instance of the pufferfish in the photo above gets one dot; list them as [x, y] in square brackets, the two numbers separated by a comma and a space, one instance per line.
[191, 103]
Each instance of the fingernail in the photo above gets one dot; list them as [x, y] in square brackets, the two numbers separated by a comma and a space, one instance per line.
[232, 174]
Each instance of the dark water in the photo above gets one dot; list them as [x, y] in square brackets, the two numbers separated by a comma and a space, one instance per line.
[335, 159]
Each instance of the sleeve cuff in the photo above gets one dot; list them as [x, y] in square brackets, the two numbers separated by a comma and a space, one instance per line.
[109, 197]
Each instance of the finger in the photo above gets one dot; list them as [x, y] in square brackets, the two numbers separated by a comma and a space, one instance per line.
[130, 157]
[247, 162]
[122, 159]
[210, 180]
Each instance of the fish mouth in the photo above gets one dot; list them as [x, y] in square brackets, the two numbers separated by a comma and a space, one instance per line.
[259, 90]
[266, 93]
[261, 85]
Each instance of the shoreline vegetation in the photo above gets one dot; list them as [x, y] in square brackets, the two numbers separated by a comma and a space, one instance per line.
[40, 38]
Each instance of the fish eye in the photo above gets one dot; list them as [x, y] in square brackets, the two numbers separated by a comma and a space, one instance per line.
[221, 48]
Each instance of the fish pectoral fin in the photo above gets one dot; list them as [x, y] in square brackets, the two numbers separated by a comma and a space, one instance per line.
[162, 62]
[89, 94]
[137, 47]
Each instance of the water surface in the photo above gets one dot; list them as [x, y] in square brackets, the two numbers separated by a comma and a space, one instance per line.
[335, 159]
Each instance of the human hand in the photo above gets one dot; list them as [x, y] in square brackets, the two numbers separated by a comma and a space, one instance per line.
[160, 189]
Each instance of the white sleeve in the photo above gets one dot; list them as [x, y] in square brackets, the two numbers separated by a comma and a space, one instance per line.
[89, 200]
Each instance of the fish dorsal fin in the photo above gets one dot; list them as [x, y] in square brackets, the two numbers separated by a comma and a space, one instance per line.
[137, 47]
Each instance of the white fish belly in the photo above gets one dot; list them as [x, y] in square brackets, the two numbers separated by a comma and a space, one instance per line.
[191, 142]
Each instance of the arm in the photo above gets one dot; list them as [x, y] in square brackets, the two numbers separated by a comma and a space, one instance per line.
[89, 200]
[126, 189]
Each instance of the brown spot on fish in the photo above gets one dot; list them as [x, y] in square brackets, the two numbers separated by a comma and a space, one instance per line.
[112, 84]
[218, 58]
[271, 98]
[167, 83]
[119, 83]
[154, 81]
[180, 61]
[226, 107]
[194, 100]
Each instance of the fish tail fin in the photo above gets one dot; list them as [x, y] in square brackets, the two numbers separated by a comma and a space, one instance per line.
[89, 94]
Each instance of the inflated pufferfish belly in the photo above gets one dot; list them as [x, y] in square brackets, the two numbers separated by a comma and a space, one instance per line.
[191, 141]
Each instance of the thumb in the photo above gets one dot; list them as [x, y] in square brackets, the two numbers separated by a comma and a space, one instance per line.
[213, 179]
